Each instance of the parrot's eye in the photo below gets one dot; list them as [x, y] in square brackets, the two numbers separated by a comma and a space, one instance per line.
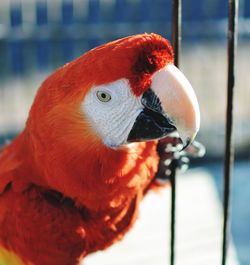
[103, 96]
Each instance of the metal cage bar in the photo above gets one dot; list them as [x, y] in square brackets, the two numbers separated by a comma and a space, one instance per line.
[176, 29]
[176, 42]
[229, 152]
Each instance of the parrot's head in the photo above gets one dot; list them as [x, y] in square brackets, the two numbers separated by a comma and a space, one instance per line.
[122, 92]
[145, 97]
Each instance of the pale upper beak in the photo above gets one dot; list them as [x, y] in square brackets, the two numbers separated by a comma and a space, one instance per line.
[178, 101]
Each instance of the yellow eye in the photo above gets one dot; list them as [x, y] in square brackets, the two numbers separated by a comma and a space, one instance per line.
[103, 96]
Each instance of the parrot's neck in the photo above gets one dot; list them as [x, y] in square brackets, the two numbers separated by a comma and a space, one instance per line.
[103, 177]
[94, 176]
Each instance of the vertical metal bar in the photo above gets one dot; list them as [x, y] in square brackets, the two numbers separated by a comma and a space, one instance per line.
[176, 29]
[173, 208]
[176, 41]
[228, 163]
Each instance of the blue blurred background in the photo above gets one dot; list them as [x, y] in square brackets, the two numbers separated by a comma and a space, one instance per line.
[41, 35]
[37, 36]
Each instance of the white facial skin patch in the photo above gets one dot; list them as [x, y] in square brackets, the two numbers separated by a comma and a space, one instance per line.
[112, 110]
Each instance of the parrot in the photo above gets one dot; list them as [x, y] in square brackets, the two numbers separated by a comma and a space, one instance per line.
[72, 181]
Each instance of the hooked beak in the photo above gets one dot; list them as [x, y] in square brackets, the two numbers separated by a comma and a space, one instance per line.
[170, 104]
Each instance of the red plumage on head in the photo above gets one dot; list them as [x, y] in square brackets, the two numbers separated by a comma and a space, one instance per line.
[135, 58]
[58, 151]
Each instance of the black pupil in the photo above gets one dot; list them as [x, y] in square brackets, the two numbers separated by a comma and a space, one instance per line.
[103, 95]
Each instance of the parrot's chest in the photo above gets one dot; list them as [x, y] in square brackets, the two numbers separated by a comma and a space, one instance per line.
[103, 230]
[41, 229]
[44, 227]
[49, 229]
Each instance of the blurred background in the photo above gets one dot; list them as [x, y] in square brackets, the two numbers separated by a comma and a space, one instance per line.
[37, 36]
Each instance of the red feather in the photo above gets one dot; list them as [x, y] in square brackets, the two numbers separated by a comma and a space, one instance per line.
[58, 159]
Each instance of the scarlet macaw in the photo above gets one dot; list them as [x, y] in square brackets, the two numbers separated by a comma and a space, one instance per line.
[72, 180]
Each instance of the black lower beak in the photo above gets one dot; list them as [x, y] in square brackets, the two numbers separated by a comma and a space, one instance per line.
[151, 123]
